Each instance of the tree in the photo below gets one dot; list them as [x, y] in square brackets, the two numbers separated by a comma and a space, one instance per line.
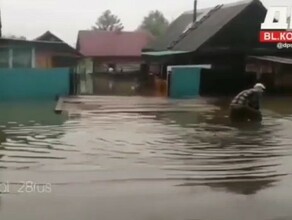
[155, 23]
[108, 22]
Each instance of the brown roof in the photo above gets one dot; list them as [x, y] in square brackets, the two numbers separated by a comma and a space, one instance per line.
[51, 39]
[112, 44]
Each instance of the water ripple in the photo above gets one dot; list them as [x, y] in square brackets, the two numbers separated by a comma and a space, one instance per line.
[193, 147]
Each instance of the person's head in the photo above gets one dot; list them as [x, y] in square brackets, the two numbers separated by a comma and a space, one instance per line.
[259, 87]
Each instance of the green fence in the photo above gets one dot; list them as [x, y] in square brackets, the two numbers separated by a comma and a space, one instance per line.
[34, 84]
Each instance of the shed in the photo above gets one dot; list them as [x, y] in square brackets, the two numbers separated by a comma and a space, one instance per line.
[275, 72]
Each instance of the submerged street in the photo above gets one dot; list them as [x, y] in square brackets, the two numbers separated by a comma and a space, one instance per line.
[148, 165]
[124, 113]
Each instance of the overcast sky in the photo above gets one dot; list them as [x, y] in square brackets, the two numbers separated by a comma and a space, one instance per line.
[65, 18]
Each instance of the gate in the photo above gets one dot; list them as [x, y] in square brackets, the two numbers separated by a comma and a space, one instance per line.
[184, 82]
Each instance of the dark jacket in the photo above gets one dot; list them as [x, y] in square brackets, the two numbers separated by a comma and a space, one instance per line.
[249, 98]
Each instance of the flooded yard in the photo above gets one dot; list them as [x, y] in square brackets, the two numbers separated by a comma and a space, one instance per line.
[145, 164]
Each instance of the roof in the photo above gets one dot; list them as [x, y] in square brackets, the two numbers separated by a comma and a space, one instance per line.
[211, 21]
[174, 31]
[215, 20]
[112, 44]
[283, 60]
[35, 42]
[163, 53]
[48, 36]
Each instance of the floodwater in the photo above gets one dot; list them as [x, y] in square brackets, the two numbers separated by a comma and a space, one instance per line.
[172, 166]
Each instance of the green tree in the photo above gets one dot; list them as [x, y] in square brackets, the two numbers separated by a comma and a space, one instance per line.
[108, 22]
[155, 23]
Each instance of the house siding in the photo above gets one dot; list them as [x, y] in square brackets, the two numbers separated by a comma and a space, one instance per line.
[43, 60]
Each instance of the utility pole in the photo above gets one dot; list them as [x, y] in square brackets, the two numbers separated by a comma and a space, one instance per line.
[195, 11]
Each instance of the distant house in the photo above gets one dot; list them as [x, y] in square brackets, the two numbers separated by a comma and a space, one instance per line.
[63, 56]
[39, 53]
[36, 69]
[107, 51]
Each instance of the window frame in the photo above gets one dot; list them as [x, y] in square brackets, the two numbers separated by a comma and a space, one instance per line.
[32, 57]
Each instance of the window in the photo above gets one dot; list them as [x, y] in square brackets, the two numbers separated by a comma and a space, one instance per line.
[111, 67]
[22, 57]
[4, 58]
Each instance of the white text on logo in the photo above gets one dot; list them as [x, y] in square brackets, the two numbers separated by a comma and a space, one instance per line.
[282, 20]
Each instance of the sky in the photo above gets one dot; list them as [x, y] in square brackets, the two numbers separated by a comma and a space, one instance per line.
[31, 18]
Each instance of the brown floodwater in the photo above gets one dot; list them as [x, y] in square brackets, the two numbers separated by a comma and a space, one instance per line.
[146, 165]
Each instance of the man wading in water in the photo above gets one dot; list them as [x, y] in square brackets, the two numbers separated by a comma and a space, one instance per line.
[246, 105]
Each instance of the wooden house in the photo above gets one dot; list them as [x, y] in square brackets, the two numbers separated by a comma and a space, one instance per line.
[223, 36]
[36, 69]
[111, 51]
[39, 53]
[64, 56]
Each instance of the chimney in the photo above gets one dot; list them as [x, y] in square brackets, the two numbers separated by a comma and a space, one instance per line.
[195, 11]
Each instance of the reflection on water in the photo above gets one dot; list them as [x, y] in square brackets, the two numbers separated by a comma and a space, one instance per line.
[29, 133]
[130, 84]
[186, 150]
[240, 159]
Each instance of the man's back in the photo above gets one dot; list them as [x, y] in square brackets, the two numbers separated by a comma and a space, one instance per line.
[246, 105]
[247, 97]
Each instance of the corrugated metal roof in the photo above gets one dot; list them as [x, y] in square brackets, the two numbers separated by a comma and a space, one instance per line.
[209, 27]
[174, 30]
[112, 44]
[203, 30]
[284, 60]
